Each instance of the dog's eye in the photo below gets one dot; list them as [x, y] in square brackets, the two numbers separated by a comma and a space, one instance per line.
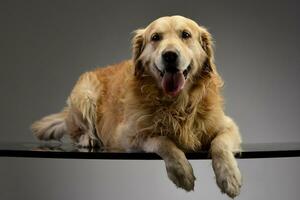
[185, 35]
[155, 37]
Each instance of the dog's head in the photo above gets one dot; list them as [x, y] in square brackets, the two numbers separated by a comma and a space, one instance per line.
[174, 50]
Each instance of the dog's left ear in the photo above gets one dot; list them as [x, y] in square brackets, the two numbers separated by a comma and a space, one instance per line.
[207, 45]
[138, 43]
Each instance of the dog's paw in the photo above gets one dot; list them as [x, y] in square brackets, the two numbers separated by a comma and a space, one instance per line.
[228, 176]
[181, 173]
[85, 141]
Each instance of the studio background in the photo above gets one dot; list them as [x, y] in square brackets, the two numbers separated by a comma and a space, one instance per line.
[46, 45]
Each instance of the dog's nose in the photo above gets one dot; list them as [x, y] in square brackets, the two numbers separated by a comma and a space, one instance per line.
[170, 57]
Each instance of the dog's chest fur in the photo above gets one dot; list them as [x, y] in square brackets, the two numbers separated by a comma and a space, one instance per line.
[185, 121]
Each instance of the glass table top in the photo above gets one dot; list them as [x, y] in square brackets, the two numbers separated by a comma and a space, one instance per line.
[69, 151]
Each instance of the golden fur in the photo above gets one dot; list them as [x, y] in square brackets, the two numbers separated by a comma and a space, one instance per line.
[123, 106]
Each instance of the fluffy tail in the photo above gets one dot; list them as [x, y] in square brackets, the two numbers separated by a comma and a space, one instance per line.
[51, 127]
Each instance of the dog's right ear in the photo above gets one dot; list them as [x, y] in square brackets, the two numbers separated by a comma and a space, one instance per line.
[138, 43]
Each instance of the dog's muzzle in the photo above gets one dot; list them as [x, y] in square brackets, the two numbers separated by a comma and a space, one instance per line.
[173, 79]
[185, 72]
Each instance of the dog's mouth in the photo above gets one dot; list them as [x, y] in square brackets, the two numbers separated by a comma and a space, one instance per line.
[173, 82]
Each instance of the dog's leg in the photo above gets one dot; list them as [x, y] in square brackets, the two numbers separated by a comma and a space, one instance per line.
[224, 145]
[83, 111]
[80, 131]
[178, 167]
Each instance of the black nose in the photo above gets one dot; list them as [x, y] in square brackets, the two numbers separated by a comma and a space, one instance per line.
[170, 57]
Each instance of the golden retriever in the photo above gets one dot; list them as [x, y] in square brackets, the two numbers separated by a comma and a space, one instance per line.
[165, 100]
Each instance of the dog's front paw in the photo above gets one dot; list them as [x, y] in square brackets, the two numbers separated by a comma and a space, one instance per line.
[181, 173]
[228, 176]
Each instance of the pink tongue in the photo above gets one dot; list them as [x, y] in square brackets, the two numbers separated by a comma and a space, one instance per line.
[172, 83]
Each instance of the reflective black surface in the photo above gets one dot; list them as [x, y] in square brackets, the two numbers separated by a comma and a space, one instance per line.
[69, 151]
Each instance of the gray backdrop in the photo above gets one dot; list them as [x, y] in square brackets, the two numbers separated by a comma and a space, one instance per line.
[46, 45]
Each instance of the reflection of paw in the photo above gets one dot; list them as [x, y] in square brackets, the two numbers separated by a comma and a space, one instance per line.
[86, 141]
[228, 176]
[181, 173]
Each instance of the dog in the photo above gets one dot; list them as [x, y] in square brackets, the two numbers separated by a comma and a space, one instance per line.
[165, 100]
